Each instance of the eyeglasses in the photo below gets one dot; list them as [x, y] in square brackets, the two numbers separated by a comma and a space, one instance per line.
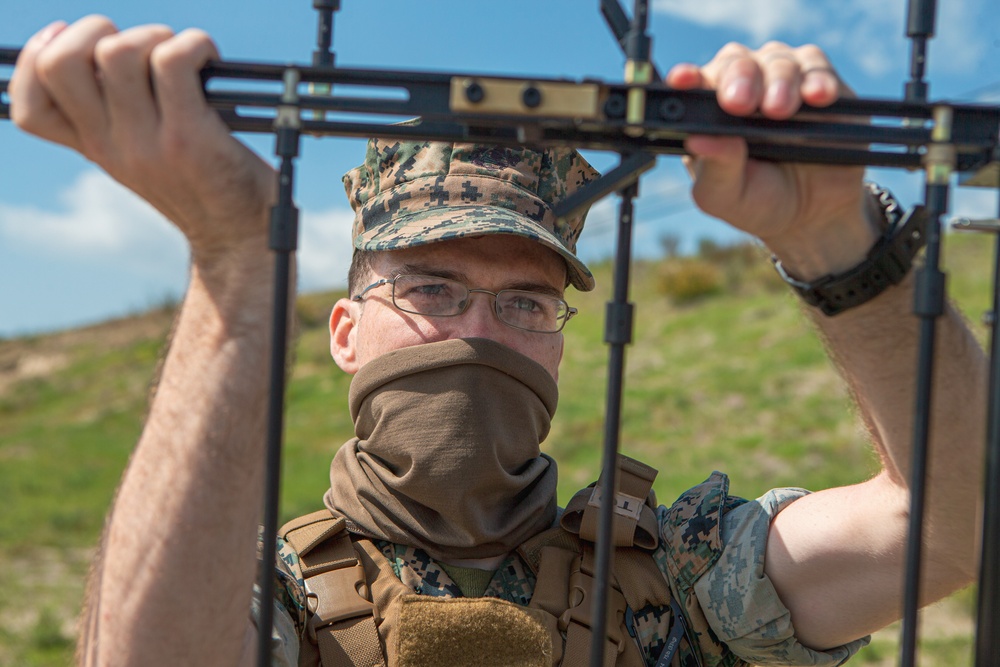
[441, 297]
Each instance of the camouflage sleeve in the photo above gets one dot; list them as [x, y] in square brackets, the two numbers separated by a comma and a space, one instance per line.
[289, 608]
[739, 601]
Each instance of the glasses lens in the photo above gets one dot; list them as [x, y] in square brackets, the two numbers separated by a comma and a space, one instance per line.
[429, 295]
[531, 310]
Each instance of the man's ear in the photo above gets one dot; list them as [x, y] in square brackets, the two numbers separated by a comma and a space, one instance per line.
[343, 335]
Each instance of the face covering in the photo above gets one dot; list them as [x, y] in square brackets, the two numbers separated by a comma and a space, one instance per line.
[447, 454]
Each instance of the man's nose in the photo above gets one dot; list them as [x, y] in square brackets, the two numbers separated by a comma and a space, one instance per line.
[480, 318]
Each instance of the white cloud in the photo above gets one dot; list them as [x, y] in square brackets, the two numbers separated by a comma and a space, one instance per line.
[963, 36]
[325, 248]
[97, 219]
[868, 32]
[760, 19]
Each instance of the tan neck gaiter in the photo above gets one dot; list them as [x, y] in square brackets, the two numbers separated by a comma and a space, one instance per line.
[447, 455]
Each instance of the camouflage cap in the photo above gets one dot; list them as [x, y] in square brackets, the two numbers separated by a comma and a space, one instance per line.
[407, 194]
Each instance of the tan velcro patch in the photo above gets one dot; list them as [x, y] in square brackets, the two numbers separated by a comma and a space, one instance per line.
[471, 632]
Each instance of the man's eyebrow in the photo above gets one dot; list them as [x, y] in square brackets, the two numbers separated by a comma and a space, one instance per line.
[541, 288]
[429, 270]
[438, 272]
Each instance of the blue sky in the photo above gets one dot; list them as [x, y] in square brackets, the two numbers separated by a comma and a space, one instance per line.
[76, 248]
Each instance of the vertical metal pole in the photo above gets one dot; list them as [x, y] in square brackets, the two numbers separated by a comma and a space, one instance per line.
[618, 334]
[919, 28]
[323, 56]
[283, 241]
[988, 614]
[928, 306]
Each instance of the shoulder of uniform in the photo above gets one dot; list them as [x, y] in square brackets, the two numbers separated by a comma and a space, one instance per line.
[690, 528]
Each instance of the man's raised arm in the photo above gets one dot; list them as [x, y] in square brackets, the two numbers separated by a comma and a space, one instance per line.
[836, 557]
[173, 582]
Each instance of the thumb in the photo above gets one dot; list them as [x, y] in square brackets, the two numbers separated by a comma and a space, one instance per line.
[718, 166]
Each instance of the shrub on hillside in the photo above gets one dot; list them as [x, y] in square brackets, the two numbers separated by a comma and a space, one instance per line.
[313, 310]
[686, 279]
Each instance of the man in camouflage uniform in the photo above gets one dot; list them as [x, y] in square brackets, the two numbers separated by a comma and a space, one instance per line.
[790, 582]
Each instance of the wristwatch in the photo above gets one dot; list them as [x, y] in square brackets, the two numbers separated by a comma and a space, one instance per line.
[887, 263]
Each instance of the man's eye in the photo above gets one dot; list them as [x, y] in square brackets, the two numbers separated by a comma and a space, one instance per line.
[527, 304]
[426, 290]
[435, 289]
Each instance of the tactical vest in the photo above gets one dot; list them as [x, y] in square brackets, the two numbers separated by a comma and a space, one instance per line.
[360, 613]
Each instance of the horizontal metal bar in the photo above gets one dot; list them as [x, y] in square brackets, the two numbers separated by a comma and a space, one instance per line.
[991, 225]
[590, 114]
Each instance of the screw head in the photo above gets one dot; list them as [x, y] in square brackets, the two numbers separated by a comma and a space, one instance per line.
[615, 107]
[531, 97]
[474, 92]
[672, 109]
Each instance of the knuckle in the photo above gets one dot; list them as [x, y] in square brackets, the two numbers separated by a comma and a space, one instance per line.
[61, 53]
[156, 31]
[129, 45]
[97, 23]
[811, 51]
[773, 45]
[48, 63]
[112, 51]
[166, 55]
[183, 49]
[732, 50]
[733, 47]
[28, 112]
[197, 36]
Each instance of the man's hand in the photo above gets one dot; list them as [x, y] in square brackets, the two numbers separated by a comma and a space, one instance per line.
[132, 102]
[811, 216]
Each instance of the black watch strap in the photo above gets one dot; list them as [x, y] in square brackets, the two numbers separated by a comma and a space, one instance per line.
[887, 263]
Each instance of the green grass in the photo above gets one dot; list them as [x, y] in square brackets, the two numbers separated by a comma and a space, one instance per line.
[733, 381]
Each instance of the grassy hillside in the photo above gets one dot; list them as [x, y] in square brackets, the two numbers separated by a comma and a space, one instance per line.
[732, 380]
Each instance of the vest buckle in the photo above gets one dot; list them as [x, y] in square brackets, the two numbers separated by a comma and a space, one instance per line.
[337, 595]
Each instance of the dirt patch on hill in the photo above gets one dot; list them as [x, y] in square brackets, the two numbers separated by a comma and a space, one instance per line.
[33, 357]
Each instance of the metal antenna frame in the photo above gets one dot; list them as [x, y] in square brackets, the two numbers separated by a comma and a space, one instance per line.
[928, 306]
[618, 321]
[284, 234]
[639, 119]
[988, 603]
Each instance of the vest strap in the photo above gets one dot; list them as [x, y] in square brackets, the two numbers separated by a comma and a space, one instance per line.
[578, 621]
[305, 532]
[634, 522]
[342, 619]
